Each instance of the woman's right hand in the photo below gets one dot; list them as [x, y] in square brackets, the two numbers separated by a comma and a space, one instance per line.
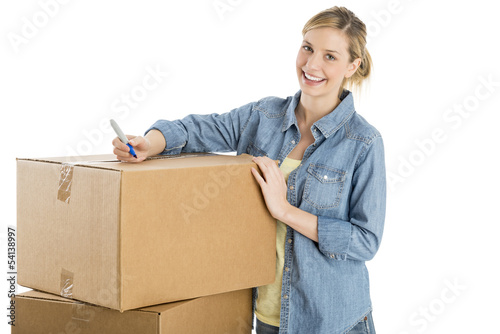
[141, 147]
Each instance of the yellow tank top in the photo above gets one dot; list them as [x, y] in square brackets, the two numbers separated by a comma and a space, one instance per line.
[268, 302]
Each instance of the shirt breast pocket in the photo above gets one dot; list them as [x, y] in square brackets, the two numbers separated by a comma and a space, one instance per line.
[324, 186]
[252, 149]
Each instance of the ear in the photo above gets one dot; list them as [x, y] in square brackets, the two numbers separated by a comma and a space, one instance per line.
[353, 67]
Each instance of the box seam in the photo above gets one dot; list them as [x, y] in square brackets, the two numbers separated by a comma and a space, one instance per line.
[120, 245]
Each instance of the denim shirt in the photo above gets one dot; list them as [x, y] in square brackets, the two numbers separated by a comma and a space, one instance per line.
[341, 180]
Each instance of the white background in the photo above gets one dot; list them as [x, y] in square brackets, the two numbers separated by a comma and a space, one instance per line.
[71, 72]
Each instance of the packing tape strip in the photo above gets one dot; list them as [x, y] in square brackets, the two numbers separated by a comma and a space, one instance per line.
[65, 181]
[66, 283]
[179, 156]
[81, 315]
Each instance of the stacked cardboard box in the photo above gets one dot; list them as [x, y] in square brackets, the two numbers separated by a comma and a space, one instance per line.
[226, 313]
[127, 236]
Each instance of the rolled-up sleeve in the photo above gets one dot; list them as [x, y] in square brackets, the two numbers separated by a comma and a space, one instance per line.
[360, 237]
[204, 133]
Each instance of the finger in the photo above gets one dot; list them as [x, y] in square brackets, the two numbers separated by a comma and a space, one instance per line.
[266, 174]
[135, 140]
[267, 162]
[119, 145]
[269, 168]
[259, 178]
[264, 158]
[271, 164]
[122, 153]
[126, 156]
[124, 159]
[129, 158]
[260, 162]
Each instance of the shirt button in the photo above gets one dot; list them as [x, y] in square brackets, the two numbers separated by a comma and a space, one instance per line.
[289, 241]
[293, 142]
[291, 187]
[285, 296]
[287, 269]
[325, 177]
[332, 256]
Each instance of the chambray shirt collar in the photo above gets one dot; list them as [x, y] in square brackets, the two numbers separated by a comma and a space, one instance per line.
[290, 118]
[327, 124]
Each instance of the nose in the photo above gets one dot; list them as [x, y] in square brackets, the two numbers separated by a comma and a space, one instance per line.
[314, 61]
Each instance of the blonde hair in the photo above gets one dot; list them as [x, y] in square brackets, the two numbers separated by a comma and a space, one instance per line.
[354, 29]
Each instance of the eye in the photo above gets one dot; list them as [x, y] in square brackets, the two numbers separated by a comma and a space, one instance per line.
[330, 57]
[307, 48]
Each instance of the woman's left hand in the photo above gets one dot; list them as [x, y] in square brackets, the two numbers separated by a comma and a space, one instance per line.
[273, 186]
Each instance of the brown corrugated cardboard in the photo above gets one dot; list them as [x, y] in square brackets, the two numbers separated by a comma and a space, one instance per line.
[124, 235]
[42, 313]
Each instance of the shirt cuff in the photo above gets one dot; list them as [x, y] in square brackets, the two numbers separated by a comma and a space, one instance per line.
[174, 136]
[334, 236]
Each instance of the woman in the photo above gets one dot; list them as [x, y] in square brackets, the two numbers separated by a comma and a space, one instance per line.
[328, 193]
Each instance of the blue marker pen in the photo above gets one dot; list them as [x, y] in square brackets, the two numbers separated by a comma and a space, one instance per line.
[122, 137]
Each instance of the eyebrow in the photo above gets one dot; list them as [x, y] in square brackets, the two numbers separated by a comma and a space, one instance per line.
[332, 51]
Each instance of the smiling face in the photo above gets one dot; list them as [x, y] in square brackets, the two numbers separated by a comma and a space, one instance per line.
[323, 62]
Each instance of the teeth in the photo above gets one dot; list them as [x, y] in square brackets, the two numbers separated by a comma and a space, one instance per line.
[312, 78]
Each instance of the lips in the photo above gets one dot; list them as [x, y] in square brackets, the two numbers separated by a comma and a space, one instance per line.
[311, 79]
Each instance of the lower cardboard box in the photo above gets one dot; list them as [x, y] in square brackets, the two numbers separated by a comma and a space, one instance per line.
[42, 313]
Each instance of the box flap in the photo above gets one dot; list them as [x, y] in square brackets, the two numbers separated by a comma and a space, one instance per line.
[183, 160]
[228, 313]
[39, 295]
[38, 312]
[165, 307]
[43, 295]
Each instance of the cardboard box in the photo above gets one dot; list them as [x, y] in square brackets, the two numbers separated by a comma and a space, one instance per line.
[125, 235]
[42, 313]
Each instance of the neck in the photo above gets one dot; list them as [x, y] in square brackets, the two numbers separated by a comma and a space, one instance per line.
[311, 108]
